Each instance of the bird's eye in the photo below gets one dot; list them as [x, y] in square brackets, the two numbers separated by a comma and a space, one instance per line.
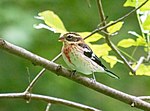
[69, 38]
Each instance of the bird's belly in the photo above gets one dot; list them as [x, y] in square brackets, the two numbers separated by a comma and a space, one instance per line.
[76, 60]
[83, 64]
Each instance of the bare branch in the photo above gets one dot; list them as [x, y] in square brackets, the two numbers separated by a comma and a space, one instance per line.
[139, 63]
[146, 98]
[39, 75]
[101, 13]
[100, 29]
[113, 47]
[48, 106]
[53, 67]
[29, 88]
[116, 21]
[48, 99]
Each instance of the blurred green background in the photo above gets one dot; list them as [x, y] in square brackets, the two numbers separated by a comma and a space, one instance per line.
[16, 26]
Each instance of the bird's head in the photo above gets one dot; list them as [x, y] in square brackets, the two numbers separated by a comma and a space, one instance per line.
[70, 37]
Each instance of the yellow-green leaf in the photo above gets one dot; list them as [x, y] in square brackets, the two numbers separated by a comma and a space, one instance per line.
[112, 60]
[136, 3]
[114, 28]
[127, 43]
[146, 24]
[100, 50]
[53, 21]
[95, 37]
[140, 41]
[143, 70]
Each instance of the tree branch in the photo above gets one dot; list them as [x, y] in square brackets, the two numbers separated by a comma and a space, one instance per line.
[48, 106]
[102, 17]
[39, 75]
[113, 47]
[53, 67]
[145, 98]
[48, 99]
[100, 29]
[101, 13]
[139, 63]
[116, 21]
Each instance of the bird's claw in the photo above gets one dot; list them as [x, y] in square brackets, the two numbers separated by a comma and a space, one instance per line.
[73, 72]
[93, 79]
[58, 68]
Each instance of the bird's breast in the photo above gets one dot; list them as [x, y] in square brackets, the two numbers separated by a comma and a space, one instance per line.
[67, 50]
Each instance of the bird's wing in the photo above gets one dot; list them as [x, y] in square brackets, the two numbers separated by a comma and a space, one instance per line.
[89, 53]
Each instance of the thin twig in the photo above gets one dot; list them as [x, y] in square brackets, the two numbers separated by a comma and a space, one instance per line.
[48, 106]
[102, 17]
[145, 98]
[101, 13]
[28, 72]
[100, 29]
[139, 63]
[49, 100]
[116, 21]
[39, 75]
[113, 47]
[34, 80]
[56, 69]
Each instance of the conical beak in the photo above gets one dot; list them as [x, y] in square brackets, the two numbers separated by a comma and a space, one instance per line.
[61, 39]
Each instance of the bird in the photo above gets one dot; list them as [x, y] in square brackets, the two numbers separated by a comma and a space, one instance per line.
[80, 57]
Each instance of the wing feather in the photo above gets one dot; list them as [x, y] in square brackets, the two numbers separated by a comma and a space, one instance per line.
[89, 53]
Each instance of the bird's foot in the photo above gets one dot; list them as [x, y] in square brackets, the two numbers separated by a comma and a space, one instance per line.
[93, 79]
[73, 72]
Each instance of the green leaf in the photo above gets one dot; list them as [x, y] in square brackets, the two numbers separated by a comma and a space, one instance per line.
[143, 70]
[53, 21]
[100, 50]
[126, 43]
[136, 3]
[114, 28]
[95, 37]
[112, 60]
[146, 24]
[129, 3]
[140, 41]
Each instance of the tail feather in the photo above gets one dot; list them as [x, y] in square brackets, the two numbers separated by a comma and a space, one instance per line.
[111, 74]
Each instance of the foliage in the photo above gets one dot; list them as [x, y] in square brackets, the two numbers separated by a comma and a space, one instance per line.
[53, 21]
[100, 50]
[15, 73]
[114, 28]
[103, 49]
[143, 40]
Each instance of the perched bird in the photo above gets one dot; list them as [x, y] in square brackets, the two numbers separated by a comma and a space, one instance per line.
[79, 56]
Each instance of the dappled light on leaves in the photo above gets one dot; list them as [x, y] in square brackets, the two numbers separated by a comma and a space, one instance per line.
[93, 38]
[127, 43]
[142, 70]
[114, 28]
[53, 21]
[136, 3]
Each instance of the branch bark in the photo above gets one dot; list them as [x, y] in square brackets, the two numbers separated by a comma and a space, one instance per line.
[105, 26]
[145, 98]
[48, 99]
[28, 90]
[57, 69]
[102, 16]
